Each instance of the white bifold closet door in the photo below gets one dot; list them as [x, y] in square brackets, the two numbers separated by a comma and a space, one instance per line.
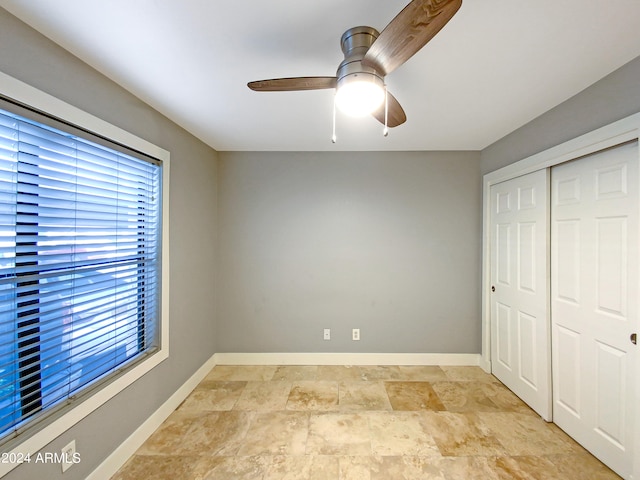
[519, 299]
[594, 301]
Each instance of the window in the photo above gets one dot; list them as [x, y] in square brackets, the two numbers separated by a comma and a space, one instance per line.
[80, 264]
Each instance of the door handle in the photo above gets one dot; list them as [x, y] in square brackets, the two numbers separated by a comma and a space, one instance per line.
[634, 338]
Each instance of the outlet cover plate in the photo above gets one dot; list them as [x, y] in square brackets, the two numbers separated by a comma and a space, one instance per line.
[68, 455]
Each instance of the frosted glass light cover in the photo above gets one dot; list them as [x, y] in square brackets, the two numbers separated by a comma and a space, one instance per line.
[359, 98]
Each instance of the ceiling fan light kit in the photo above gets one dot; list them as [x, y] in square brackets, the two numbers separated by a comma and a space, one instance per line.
[368, 57]
[360, 94]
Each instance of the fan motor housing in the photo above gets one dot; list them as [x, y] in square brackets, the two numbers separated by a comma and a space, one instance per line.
[355, 43]
[358, 40]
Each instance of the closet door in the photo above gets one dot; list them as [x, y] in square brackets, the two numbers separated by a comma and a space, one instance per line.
[519, 273]
[594, 299]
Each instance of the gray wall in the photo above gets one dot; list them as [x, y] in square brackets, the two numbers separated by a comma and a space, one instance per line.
[385, 242]
[614, 97]
[28, 56]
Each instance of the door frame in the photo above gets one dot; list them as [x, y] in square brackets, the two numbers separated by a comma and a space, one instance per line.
[621, 131]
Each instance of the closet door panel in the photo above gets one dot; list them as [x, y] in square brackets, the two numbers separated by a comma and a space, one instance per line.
[519, 318]
[594, 285]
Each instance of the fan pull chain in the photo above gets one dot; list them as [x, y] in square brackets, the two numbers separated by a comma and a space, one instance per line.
[333, 137]
[385, 131]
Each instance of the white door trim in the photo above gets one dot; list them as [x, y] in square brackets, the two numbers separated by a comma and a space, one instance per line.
[624, 130]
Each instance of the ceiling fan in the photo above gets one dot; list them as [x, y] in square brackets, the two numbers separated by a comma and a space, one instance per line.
[369, 56]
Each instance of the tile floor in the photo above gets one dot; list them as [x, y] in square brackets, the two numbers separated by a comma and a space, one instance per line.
[353, 423]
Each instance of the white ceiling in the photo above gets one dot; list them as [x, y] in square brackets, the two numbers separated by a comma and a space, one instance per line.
[497, 65]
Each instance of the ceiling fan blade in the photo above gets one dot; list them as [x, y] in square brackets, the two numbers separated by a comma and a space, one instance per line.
[412, 28]
[292, 84]
[395, 115]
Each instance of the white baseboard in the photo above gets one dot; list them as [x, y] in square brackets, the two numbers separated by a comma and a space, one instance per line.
[347, 359]
[121, 454]
[485, 363]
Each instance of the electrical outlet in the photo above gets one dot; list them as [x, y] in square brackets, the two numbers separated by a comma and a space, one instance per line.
[68, 454]
[355, 334]
[327, 334]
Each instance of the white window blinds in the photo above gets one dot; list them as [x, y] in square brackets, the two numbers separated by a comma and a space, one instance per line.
[79, 266]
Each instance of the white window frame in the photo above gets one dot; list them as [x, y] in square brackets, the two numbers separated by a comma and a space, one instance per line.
[28, 95]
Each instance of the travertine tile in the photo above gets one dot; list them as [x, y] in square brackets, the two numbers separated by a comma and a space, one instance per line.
[339, 373]
[467, 374]
[355, 467]
[504, 398]
[276, 433]
[525, 467]
[295, 373]
[261, 396]
[461, 434]
[219, 433]
[400, 433]
[403, 467]
[229, 468]
[435, 468]
[486, 468]
[465, 397]
[363, 396]
[580, 465]
[308, 467]
[384, 372]
[422, 373]
[339, 434]
[523, 434]
[406, 467]
[213, 395]
[357, 423]
[313, 396]
[209, 433]
[412, 396]
[164, 467]
[171, 437]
